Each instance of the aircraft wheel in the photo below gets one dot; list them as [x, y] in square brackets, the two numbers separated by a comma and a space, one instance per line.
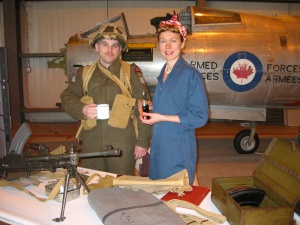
[241, 145]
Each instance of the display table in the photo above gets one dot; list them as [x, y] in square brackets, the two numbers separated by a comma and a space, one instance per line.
[17, 207]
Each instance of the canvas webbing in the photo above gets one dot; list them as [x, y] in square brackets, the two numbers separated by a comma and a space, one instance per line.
[117, 80]
[19, 186]
[88, 71]
[217, 218]
[177, 183]
[125, 91]
[86, 76]
[59, 175]
[125, 71]
[103, 182]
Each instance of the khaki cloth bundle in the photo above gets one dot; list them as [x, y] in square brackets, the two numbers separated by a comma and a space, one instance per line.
[178, 183]
[116, 206]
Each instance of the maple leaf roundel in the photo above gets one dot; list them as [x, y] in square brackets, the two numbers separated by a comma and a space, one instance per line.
[242, 71]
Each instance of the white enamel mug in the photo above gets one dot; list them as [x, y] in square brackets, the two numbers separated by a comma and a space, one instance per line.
[102, 111]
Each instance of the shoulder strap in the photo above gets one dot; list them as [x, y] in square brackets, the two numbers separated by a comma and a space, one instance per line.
[86, 76]
[89, 69]
[125, 74]
[115, 79]
[125, 91]
[126, 67]
[87, 73]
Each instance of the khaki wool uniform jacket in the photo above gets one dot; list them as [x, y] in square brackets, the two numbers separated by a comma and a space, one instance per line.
[103, 91]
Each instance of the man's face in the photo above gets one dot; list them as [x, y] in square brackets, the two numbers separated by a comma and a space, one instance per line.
[108, 51]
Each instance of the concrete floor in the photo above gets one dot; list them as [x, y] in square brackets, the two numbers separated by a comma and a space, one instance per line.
[218, 158]
[216, 154]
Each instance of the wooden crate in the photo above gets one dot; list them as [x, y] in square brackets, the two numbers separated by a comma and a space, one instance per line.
[278, 174]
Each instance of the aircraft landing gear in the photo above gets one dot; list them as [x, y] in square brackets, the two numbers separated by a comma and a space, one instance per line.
[246, 141]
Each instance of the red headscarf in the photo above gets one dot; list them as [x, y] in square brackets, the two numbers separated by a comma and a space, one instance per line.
[176, 24]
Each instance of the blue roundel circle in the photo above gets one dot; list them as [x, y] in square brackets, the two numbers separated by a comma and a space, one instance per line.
[242, 71]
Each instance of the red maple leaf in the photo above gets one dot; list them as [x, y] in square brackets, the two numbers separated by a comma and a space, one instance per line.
[242, 71]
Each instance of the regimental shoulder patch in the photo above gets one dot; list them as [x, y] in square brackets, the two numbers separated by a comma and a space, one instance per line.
[138, 71]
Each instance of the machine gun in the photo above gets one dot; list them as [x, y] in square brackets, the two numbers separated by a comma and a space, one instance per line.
[24, 163]
[15, 161]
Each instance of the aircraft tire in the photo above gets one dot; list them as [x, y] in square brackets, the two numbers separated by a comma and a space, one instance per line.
[240, 142]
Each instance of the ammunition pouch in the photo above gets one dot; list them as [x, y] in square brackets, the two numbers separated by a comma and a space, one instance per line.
[122, 110]
[86, 124]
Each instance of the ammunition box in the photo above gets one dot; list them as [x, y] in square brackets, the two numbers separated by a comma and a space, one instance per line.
[278, 175]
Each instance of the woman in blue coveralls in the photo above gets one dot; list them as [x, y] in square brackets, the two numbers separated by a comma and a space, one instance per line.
[180, 106]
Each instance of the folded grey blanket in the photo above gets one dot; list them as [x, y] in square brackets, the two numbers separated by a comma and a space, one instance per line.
[120, 206]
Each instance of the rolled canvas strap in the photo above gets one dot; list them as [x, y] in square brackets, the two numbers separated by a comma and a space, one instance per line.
[79, 131]
[217, 218]
[177, 183]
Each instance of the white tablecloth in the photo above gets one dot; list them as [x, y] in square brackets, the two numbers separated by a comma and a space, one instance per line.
[17, 207]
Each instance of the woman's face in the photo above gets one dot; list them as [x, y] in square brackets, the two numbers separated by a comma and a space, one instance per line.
[170, 45]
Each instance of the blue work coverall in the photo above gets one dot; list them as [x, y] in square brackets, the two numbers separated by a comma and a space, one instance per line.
[173, 145]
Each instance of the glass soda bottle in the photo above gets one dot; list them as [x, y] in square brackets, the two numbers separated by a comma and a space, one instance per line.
[145, 105]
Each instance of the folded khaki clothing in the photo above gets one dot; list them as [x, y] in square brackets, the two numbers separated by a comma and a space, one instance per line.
[178, 183]
[119, 206]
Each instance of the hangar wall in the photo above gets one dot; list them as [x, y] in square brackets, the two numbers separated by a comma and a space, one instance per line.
[47, 26]
[64, 19]
[1, 26]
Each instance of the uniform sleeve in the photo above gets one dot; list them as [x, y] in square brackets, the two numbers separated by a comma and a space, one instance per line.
[196, 115]
[138, 86]
[71, 96]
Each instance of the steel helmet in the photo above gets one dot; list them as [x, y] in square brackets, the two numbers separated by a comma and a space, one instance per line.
[111, 31]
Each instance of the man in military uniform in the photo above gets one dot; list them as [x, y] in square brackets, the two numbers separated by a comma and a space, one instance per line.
[109, 43]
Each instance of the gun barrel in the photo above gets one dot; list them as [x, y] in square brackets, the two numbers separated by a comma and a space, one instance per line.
[112, 152]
